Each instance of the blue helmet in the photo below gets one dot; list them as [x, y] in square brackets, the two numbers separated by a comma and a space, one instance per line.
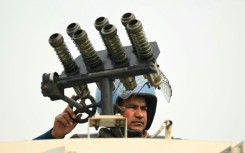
[143, 89]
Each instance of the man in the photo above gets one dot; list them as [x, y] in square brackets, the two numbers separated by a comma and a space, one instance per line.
[138, 106]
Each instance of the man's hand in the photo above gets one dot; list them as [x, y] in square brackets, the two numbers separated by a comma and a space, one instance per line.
[63, 123]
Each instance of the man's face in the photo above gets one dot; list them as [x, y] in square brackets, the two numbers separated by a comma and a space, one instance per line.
[136, 113]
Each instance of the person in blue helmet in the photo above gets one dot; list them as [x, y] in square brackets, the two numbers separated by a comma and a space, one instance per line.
[138, 106]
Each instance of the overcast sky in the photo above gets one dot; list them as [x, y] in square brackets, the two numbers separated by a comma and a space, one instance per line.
[202, 54]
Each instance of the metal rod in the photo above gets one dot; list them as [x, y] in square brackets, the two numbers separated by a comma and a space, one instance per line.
[72, 102]
[106, 97]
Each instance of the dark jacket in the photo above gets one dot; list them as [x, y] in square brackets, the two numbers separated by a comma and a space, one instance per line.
[46, 135]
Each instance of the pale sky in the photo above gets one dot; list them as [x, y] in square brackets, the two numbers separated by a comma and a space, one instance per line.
[202, 53]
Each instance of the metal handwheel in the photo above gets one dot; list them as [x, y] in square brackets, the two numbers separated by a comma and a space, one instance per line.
[90, 110]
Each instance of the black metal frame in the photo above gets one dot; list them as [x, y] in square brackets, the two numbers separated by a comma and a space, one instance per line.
[54, 87]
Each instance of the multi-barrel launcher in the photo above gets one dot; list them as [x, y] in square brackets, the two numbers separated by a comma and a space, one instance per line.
[103, 67]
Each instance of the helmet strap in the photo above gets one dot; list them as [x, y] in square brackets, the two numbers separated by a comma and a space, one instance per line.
[119, 109]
